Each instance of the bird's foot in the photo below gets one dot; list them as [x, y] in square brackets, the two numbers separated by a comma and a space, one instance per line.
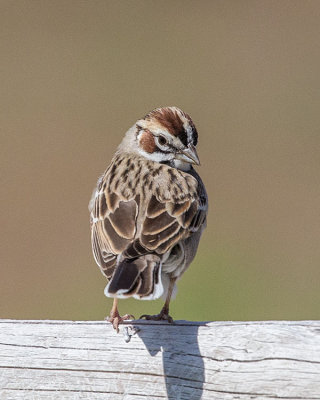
[115, 319]
[162, 316]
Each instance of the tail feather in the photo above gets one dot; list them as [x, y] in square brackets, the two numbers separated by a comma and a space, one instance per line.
[139, 278]
[148, 278]
[124, 277]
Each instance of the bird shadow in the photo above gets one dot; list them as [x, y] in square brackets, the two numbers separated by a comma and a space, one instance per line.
[183, 365]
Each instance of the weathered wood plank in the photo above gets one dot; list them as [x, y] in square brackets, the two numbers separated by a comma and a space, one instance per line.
[186, 360]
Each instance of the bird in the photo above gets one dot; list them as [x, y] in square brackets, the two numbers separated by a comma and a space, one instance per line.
[148, 211]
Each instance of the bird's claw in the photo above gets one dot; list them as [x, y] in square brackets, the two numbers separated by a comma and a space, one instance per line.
[158, 317]
[117, 319]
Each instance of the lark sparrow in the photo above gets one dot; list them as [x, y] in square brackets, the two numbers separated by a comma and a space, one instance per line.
[148, 210]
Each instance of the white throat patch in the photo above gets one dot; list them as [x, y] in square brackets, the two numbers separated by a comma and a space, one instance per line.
[183, 166]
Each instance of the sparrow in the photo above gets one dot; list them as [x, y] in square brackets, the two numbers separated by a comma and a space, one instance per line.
[148, 211]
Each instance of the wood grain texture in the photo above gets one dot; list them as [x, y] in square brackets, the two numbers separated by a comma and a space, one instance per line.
[186, 360]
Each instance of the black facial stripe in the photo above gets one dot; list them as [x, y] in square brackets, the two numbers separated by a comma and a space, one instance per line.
[167, 162]
[183, 137]
[139, 128]
[194, 136]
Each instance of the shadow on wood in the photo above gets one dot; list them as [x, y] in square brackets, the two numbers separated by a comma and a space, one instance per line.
[183, 366]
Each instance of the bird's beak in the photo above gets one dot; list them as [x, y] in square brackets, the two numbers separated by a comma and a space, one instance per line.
[189, 155]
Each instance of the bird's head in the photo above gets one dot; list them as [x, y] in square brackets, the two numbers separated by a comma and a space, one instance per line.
[164, 135]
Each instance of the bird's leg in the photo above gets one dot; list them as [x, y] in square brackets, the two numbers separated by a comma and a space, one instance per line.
[115, 318]
[164, 313]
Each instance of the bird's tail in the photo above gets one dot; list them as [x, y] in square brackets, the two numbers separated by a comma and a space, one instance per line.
[139, 278]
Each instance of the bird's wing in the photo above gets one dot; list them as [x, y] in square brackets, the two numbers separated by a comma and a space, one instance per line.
[200, 219]
[113, 225]
[135, 214]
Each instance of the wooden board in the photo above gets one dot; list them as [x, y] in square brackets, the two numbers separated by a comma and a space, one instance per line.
[186, 360]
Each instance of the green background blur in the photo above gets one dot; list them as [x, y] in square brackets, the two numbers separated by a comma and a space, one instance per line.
[75, 75]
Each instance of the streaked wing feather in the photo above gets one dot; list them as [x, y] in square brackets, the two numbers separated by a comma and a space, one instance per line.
[158, 224]
[114, 228]
[123, 219]
[155, 207]
[163, 231]
[152, 242]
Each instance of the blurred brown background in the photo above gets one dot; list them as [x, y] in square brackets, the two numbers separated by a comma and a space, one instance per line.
[75, 75]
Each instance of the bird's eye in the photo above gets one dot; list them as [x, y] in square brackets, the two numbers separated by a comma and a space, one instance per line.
[162, 140]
